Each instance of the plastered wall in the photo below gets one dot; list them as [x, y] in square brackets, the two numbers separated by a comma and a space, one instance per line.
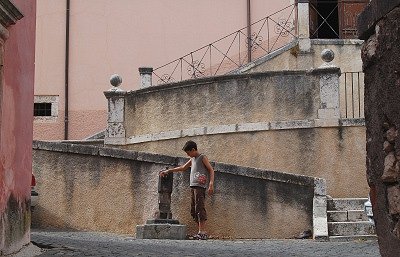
[107, 189]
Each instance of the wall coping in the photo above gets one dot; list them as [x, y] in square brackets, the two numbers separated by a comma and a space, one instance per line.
[265, 58]
[241, 128]
[9, 15]
[337, 41]
[222, 78]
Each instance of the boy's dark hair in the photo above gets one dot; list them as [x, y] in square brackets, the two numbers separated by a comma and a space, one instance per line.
[189, 146]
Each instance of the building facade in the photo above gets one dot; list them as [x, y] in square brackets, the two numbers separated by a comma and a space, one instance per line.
[107, 37]
[80, 44]
[17, 46]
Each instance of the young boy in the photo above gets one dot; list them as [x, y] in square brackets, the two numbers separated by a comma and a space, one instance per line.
[199, 171]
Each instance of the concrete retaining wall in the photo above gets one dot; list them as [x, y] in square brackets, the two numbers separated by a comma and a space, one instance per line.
[285, 121]
[107, 189]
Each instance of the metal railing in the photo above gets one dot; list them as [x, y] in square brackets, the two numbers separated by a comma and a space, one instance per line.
[234, 50]
[352, 95]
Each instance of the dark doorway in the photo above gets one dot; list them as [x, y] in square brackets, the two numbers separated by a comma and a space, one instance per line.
[329, 19]
[324, 17]
[335, 18]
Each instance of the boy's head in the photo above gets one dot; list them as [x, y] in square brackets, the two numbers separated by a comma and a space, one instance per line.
[190, 148]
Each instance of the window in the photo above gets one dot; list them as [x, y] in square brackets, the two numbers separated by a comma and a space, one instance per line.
[45, 107]
[335, 18]
[42, 109]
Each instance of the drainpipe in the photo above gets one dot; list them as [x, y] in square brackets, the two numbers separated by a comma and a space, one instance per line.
[248, 32]
[66, 91]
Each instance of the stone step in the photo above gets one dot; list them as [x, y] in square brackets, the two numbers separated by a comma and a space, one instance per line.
[352, 238]
[344, 204]
[349, 215]
[350, 228]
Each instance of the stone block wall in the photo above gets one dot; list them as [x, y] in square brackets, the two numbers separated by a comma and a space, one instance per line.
[380, 27]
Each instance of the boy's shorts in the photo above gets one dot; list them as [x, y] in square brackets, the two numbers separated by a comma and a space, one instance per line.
[198, 210]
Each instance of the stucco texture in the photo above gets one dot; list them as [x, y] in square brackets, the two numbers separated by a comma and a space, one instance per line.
[273, 96]
[16, 108]
[336, 154]
[81, 189]
[82, 124]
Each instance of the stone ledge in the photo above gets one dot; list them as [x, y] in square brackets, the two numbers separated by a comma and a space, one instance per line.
[57, 146]
[265, 174]
[210, 80]
[337, 41]
[245, 127]
[265, 58]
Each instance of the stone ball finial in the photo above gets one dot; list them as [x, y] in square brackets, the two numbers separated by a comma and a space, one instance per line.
[327, 55]
[115, 80]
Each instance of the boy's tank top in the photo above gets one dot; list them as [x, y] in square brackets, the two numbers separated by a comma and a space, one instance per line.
[198, 172]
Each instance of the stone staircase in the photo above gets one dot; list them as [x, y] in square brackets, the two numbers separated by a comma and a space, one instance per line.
[347, 220]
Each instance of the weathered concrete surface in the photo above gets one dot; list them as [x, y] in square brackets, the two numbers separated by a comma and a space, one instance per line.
[108, 189]
[336, 154]
[273, 96]
[264, 120]
[380, 25]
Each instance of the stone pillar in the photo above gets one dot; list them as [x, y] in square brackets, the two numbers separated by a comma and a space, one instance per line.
[329, 87]
[379, 26]
[163, 226]
[145, 76]
[115, 132]
[320, 218]
[303, 18]
[164, 196]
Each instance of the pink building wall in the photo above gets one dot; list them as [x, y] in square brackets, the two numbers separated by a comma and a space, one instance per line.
[16, 130]
[119, 36]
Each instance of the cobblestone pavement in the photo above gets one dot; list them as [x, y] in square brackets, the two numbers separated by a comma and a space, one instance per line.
[105, 244]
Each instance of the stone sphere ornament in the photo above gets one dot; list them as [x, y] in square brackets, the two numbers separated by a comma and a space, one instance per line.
[327, 55]
[115, 80]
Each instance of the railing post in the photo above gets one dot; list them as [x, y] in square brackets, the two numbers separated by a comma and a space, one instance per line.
[115, 132]
[145, 76]
[303, 18]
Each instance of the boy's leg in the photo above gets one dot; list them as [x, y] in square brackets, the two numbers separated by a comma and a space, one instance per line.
[200, 210]
[193, 205]
[202, 226]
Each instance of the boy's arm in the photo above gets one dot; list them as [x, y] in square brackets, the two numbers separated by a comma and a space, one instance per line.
[180, 168]
[210, 169]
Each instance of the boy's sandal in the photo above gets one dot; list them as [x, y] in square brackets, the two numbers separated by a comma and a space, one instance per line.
[193, 237]
[202, 236]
